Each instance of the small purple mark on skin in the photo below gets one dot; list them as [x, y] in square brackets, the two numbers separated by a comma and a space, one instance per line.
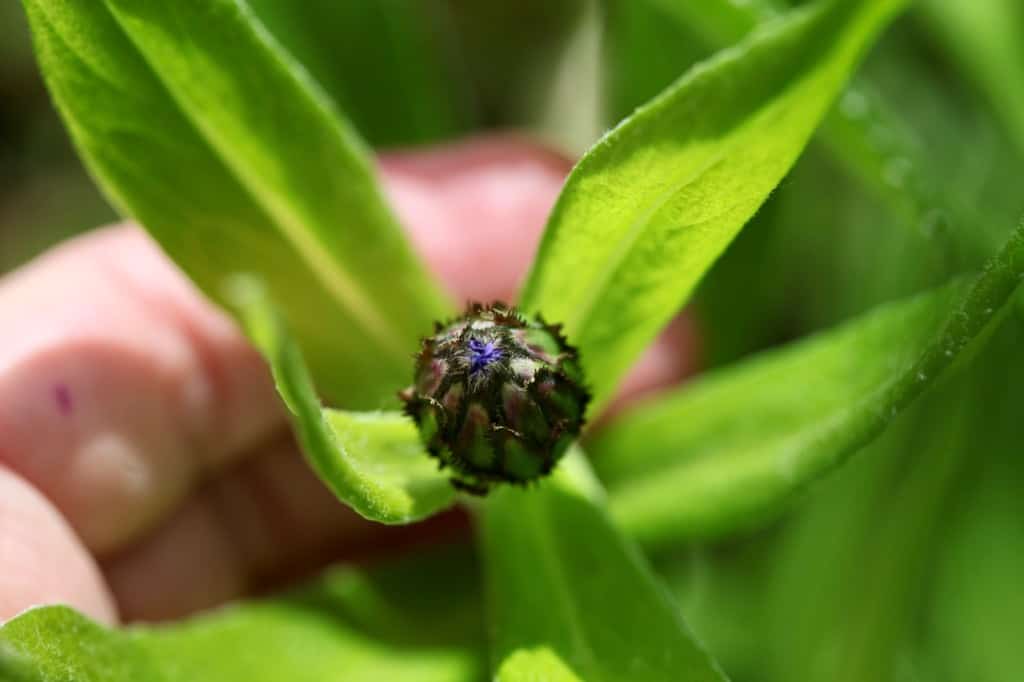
[62, 394]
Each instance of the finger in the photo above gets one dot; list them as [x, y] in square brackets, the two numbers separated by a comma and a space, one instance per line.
[120, 385]
[146, 396]
[268, 516]
[265, 522]
[42, 559]
[673, 356]
[475, 211]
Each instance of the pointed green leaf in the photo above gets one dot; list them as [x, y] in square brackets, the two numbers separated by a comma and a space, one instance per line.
[352, 624]
[197, 124]
[571, 598]
[648, 210]
[884, 137]
[734, 447]
[373, 462]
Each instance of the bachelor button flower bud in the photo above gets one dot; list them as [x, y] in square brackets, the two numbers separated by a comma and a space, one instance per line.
[496, 397]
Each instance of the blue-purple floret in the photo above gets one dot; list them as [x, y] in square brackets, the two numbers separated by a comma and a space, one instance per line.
[482, 354]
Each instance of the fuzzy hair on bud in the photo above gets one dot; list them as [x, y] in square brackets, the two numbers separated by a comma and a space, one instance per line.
[496, 397]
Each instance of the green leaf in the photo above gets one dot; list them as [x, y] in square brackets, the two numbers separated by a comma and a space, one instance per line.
[352, 624]
[570, 597]
[197, 124]
[363, 53]
[373, 462]
[883, 131]
[985, 38]
[734, 447]
[648, 210]
[901, 561]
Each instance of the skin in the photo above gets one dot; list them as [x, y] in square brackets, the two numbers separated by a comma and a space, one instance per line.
[146, 469]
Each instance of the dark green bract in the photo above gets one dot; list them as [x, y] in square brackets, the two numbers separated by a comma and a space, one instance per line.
[496, 397]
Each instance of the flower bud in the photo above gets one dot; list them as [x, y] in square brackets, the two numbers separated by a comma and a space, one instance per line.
[496, 397]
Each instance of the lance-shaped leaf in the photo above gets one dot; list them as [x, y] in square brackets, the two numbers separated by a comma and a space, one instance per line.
[354, 625]
[735, 447]
[906, 151]
[572, 599]
[374, 461]
[650, 207]
[197, 124]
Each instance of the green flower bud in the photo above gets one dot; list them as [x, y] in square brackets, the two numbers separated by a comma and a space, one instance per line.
[496, 397]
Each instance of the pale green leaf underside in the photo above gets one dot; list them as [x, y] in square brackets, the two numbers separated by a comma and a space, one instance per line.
[373, 462]
[352, 625]
[734, 447]
[570, 597]
[648, 210]
[197, 124]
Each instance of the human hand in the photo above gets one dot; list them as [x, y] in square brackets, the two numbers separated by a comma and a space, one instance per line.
[146, 468]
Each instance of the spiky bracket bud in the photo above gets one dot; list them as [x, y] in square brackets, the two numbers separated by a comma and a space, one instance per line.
[497, 397]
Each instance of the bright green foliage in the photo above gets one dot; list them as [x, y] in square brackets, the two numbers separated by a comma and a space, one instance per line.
[871, 576]
[902, 565]
[567, 590]
[869, 135]
[535, 665]
[648, 210]
[199, 126]
[735, 446]
[351, 624]
[373, 462]
[685, 466]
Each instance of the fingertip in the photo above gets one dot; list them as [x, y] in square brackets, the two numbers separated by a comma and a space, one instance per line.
[475, 210]
[123, 386]
[44, 562]
[672, 358]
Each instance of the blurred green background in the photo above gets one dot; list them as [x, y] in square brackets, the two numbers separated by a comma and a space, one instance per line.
[906, 564]
[44, 193]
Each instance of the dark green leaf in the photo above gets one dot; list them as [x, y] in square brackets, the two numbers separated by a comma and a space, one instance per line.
[735, 446]
[647, 211]
[200, 126]
[986, 38]
[372, 461]
[570, 598]
[511, 51]
[391, 65]
[899, 566]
